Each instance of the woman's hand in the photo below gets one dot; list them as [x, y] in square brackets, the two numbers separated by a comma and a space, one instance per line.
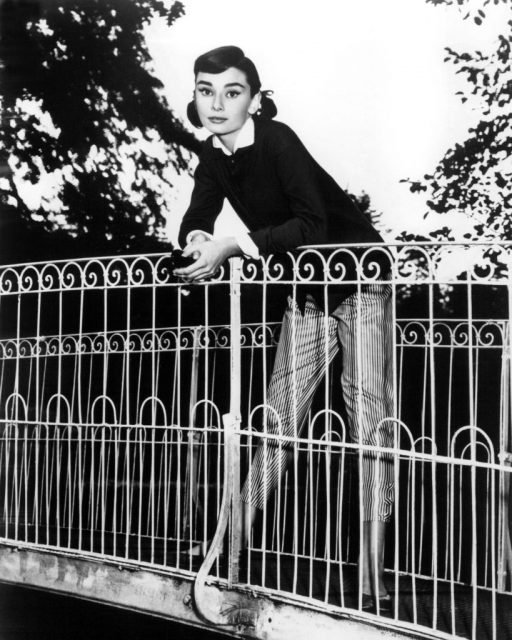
[209, 256]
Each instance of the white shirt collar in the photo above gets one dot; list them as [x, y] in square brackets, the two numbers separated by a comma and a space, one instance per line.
[244, 139]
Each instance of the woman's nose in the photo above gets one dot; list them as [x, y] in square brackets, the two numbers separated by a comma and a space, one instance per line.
[217, 104]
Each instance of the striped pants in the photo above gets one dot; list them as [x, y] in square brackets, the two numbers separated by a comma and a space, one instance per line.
[362, 325]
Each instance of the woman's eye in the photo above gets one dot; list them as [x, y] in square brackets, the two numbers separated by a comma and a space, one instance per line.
[204, 91]
[232, 94]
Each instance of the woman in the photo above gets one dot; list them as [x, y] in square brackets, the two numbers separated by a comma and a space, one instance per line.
[286, 200]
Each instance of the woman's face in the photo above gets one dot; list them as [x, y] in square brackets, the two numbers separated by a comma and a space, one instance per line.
[224, 102]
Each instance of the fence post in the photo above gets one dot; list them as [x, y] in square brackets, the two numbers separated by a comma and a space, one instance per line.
[229, 515]
[234, 410]
[505, 457]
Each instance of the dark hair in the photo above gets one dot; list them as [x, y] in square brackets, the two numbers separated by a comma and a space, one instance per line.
[222, 58]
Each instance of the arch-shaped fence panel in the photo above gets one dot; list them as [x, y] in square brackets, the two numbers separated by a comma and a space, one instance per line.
[117, 382]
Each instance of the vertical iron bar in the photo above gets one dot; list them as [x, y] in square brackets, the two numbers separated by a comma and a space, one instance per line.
[234, 409]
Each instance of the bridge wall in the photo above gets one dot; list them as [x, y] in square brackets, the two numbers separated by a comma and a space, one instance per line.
[171, 597]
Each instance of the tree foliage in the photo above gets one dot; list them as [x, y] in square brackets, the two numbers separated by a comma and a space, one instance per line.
[475, 176]
[365, 206]
[91, 142]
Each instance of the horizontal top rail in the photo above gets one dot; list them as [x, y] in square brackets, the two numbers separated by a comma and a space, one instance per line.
[387, 243]
[327, 265]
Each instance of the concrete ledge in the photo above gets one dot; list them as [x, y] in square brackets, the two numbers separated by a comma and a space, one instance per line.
[170, 596]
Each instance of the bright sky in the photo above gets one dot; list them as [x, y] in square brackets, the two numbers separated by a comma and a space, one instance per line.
[362, 82]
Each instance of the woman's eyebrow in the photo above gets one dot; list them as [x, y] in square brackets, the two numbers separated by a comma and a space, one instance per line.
[229, 84]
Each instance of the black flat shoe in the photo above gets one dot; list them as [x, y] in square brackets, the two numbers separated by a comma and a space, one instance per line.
[385, 606]
[198, 551]
[188, 558]
[369, 605]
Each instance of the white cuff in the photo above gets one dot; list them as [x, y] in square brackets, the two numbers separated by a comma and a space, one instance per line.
[246, 245]
[242, 238]
[194, 232]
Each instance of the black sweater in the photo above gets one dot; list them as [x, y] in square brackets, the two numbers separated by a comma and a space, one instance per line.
[284, 197]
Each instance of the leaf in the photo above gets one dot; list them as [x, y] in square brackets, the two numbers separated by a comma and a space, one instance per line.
[109, 95]
[500, 180]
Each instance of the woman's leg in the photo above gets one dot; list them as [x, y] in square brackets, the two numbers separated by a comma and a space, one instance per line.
[307, 344]
[365, 330]
[372, 557]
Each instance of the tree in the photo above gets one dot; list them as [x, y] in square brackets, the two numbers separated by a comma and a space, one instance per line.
[91, 142]
[367, 209]
[475, 176]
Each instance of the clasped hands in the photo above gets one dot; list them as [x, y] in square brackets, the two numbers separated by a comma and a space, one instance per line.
[209, 254]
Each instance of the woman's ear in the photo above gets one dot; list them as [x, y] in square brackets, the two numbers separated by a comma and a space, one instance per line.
[255, 105]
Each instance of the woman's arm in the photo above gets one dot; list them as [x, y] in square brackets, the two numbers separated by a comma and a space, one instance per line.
[197, 227]
[205, 204]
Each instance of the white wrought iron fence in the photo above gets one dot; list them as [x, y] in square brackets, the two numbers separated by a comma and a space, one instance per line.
[132, 405]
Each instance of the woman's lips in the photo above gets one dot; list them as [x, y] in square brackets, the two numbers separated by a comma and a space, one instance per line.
[217, 120]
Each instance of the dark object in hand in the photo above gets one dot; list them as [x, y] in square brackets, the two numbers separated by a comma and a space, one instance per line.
[178, 261]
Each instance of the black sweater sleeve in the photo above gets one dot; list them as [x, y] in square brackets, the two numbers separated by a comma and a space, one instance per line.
[306, 216]
[205, 203]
